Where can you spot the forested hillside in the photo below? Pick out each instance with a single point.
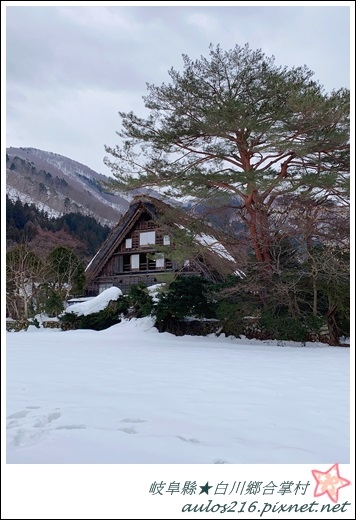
(60, 185)
(26, 224)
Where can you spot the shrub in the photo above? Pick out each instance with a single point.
(49, 300)
(284, 327)
(140, 300)
(96, 321)
(231, 315)
(186, 296)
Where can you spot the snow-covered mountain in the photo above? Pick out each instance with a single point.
(59, 185)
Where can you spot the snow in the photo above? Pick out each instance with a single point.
(92, 260)
(129, 394)
(41, 318)
(15, 195)
(155, 290)
(96, 304)
(214, 245)
(71, 301)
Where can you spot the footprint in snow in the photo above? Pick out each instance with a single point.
(24, 437)
(12, 424)
(71, 427)
(128, 420)
(47, 419)
(18, 415)
(127, 430)
(187, 439)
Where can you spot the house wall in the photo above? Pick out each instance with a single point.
(136, 259)
(124, 282)
(135, 253)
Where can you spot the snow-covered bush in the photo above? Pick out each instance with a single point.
(99, 313)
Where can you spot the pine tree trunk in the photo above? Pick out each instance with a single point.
(259, 234)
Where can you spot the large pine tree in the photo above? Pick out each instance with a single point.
(238, 124)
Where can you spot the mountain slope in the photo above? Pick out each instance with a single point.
(59, 185)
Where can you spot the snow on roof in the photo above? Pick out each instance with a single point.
(214, 245)
(92, 260)
(96, 304)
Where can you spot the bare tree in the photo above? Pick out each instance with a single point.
(24, 272)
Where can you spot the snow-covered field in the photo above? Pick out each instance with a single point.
(131, 395)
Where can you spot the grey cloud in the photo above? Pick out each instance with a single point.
(49, 50)
(60, 46)
(71, 69)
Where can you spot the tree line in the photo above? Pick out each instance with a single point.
(24, 220)
(37, 282)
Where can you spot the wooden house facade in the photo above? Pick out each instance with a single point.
(139, 249)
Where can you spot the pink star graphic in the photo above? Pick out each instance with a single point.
(329, 482)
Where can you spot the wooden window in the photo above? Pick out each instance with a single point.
(159, 261)
(135, 261)
(166, 240)
(128, 243)
(147, 238)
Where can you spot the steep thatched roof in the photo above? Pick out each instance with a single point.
(207, 245)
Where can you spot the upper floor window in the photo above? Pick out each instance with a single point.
(147, 238)
(128, 243)
(166, 240)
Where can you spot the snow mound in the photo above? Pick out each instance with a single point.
(96, 304)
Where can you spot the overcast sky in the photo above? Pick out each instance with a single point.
(70, 69)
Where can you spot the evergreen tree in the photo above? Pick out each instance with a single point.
(49, 300)
(238, 124)
(186, 296)
(140, 300)
(24, 220)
